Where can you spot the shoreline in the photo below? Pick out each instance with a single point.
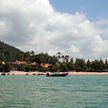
(43, 73)
(88, 73)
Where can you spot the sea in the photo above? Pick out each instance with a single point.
(36, 91)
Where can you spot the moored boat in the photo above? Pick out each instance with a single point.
(56, 74)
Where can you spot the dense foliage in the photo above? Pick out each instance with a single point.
(62, 63)
(39, 58)
(9, 53)
(58, 62)
(5, 67)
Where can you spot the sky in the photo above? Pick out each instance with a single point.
(78, 28)
(94, 9)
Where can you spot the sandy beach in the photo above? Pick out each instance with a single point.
(21, 73)
(88, 73)
(69, 73)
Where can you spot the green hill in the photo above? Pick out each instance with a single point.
(9, 52)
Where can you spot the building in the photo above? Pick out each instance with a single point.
(45, 65)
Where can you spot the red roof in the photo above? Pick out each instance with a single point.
(45, 65)
(19, 62)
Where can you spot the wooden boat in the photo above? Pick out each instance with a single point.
(56, 74)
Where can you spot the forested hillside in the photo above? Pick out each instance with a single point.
(9, 53)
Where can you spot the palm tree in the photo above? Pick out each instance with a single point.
(63, 57)
(66, 58)
(59, 55)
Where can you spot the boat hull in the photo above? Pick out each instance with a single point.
(56, 75)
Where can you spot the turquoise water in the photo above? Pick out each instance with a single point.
(78, 91)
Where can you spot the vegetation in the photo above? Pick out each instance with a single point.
(62, 63)
(5, 67)
(9, 53)
(58, 62)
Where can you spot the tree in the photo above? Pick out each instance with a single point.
(97, 65)
(70, 66)
(71, 60)
(106, 65)
(1, 67)
(28, 68)
(102, 66)
(88, 65)
(7, 67)
(80, 65)
(63, 68)
(59, 56)
(66, 58)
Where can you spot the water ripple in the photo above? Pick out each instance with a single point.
(46, 92)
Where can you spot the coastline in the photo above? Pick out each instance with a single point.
(88, 73)
(21, 73)
(43, 73)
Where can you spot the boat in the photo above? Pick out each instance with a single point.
(56, 74)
